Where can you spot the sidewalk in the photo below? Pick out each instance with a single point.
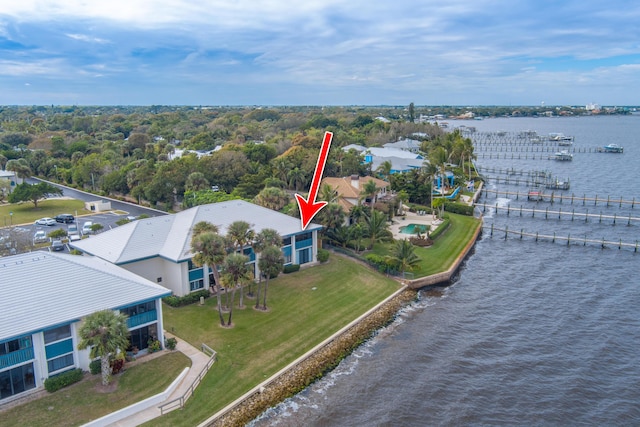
(198, 362)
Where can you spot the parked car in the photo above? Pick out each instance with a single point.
(46, 221)
(86, 228)
(57, 245)
(40, 237)
(64, 218)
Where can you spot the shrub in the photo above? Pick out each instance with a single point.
(323, 255)
(62, 380)
(175, 301)
(171, 343)
(154, 345)
(290, 268)
(95, 367)
(458, 208)
(117, 363)
(441, 229)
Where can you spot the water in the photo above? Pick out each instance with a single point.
(531, 333)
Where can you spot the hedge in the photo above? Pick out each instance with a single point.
(441, 229)
(290, 268)
(63, 380)
(458, 208)
(323, 255)
(175, 301)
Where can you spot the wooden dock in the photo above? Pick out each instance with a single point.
(559, 214)
(554, 237)
(572, 199)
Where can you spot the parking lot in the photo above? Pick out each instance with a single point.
(26, 237)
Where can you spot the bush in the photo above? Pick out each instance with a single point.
(291, 268)
(62, 380)
(458, 208)
(191, 298)
(441, 229)
(95, 367)
(323, 255)
(171, 343)
(154, 345)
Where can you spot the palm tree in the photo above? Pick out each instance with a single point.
(404, 255)
(330, 217)
(236, 271)
(377, 227)
(340, 235)
(297, 177)
(369, 191)
(264, 238)
(271, 263)
(196, 181)
(20, 167)
(328, 193)
(385, 169)
(240, 234)
(273, 198)
(439, 157)
(209, 250)
(107, 334)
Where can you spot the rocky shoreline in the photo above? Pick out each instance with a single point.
(317, 365)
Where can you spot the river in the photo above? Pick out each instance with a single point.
(530, 332)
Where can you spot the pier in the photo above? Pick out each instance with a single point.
(559, 214)
(568, 239)
(572, 199)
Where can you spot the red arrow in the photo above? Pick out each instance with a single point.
(309, 207)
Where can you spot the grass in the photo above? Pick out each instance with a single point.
(442, 254)
(26, 213)
(304, 308)
(81, 402)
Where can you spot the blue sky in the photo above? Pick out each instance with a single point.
(330, 52)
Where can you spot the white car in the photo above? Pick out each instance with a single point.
(46, 221)
(86, 228)
(40, 237)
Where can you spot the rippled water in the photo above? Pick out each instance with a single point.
(531, 333)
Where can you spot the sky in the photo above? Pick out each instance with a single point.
(312, 52)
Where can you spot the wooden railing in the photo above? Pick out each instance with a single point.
(180, 401)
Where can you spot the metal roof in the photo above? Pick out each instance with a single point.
(169, 236)
(41, 290)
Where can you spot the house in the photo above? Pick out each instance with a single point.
(11, 177)
(159, 248)
(45, 296)
(350, 189)
(411, 145)
(401, 160)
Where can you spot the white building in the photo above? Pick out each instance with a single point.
(45, 296)
(159, 248)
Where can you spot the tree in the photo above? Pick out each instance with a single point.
(236, 271)
(385, 169)
(209, 250)
(240, 234)
(264, 238)
(297, 178)
(107, 334)
(412, 113)
(27, 192)
(369, 191)
(271, 264)
(272, 198)
(196, 181)
(404, 255)
(376, 227)
(340, 235)
(20, 167)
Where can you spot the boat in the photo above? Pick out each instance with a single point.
(611, 148)
(561, 138)
(563, 155)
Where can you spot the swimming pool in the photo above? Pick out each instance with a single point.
(414, 228)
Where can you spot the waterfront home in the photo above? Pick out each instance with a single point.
(45, 296)
(350, 190)
(411, 145)
(159, 248)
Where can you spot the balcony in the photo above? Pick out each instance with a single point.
(142, 318)
(16, 357)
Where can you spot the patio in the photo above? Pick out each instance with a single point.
(409, 218)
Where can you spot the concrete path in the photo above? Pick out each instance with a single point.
(198, 361)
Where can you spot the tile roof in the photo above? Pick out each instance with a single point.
(345, 189)
(42, 290)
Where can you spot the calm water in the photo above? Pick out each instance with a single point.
(531, 333)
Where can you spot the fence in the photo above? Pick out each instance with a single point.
(180, 401)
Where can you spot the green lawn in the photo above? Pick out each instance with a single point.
(26, 213)
(441, 256)
(81, 402)
(304, 308)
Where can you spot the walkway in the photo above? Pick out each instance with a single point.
(411, 218)
(198, 362)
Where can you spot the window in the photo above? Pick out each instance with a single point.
(60, 362)
(286, 241)
(303, 236)
(17, 380)
(57, 334)
(196, 284)
(138, 308)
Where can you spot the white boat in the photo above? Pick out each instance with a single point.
(563, 155)
(561, 138)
